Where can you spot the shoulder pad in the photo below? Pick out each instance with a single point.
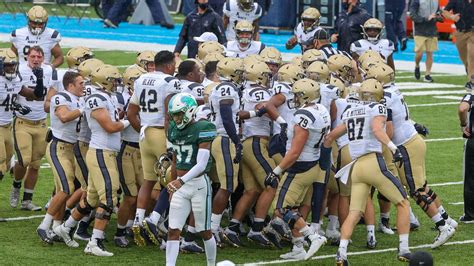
(372, 105)
(305, 113)
(387, 94)
(195, 85)
(467, 98)
(357, 44)
(65, 95)
(14, 33)
(97, 96)
(227, 5)
(54, 73)
(120, 98)
(258, 10)
(170, 78)
(390, 43)
(55, 34)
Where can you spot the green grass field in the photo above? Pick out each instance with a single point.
(20, 245)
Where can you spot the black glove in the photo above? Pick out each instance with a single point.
(271, 180)
(283, 135)
(38, 72)
(261, 112)
(421, 129)
(23, 110)
(169, 153)
(398, 157)
(238, 153)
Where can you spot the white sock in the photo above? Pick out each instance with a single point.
(385, 215)
(305, 231)
(172, 250)
(46, 223)
(211, 251)
(298, 242)
(343, 243)
(316, 227)
(403, 246)
(97, 234)
(370, 232)
(129, 223)
(70, 222)
(215, 221)
(121, 226)
(436, 218)
(155, 217)
(333, 220)
(57, 223)
(413, 218)
(139, 216)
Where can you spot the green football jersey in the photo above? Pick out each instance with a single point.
(186, 142)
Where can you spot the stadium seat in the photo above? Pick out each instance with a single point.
(79, 9)
(54, 5)
(12, 5)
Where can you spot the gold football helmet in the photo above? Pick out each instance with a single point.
(85, 68)
(335, 81)
(131, 74)
(351, 92)
(212, 57)
(368, 63)
(37, 19)
(10, 63)
(231, 69)
(271, 55)
(244, 32)
(318, 71)
(369, 55)
(310, 18)
(311, 56)
(206, 48)
(290, 73)
(107, 77)
(144, 59)
(77, 55)
(297, 61)
(371, 91)
(341, 65)
(305, 91)
(375, 25)
(259, 73)
(381, 72)
(252, 59)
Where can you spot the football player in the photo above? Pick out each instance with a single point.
(272, 57)
(74, 57)
(237, 10)
(37, 34)
(365, 127)
(191, 189)
(243, 45)
(305, 30)
(29, 129)
(311, 56)
(191, 75)
(209, 47)
(147, 113)
(103, 183)
(372, 30)
(226, 148)
(301, 166)
(66, 111)
(146, 60)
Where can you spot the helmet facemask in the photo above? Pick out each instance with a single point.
(244, 38)
(10, 70)
(36, 27)
(246, 5)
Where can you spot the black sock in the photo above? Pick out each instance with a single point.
(120, 232)
(234, 227)
(440, 223)
(445, 215)
(258, 226)
(189, 237)
(16, 184)
(27, 196)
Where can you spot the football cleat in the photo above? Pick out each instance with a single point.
(27, 205)
(452, 222)
(417, 73)
(444, 234)
(14, 197)
(121, 241)
(97, 248)
(151, 232)
(259, 238)
(232, 237)
(295, 254)
(43, 234)
(371, 243)
(63, 232)
(81, 232)
(404, 256)
(218, 236)
(317, 242)
(414, 226)
(385, 228)
(281, 229)
(428, 79)
(137, 235)
(466, 219)
(340, 260)
(333, 234)
(273, 236)
(55, 237)
(191, 247)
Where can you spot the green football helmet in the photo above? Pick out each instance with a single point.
(182, 103)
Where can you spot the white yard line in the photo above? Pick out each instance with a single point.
(446, 184)
(20, 218)
(456, 203)
(443, 139)
(432, 93)
(432, 104)
(359, 253)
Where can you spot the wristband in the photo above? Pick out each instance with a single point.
(181, 181)
(280, 120)
(125, 123)
(392, 147)
(252, 114)
(277, 170)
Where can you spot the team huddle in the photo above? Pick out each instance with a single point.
(169, 145)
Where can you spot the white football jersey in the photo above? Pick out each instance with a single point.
(9, 90)
(255, 126)
(342, 105)
(203, 112)
(193, 88)
(224, 91)
(22, 39)
(383, 46)
(50, 77)
(403, 129)
(85, 131)
(64, 131)
(206, 82)
(234, 13)
(129, 134)
(358, 120)
(151, 90)
(232, 49)
(316, 120)
(303, 36)
(287, 109)
(100, 139)
(329, 93)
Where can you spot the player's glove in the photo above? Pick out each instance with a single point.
(261, 111)
(271, 180)
(38, 72)
(398, 158)
(23, 110)
(238, 153)
(421, 129)
(283, 135)
(169, 153)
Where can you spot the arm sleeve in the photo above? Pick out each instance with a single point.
(183, 37)
(203, 156)
(227, 120)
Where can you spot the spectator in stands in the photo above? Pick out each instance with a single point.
(202, 19)
(425, 14)
(462, 13)
(393, 23)
(348, 24)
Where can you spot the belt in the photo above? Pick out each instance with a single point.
(63, 141)
(131, 144)
(6, 125)
(158, 127)
(32, 122)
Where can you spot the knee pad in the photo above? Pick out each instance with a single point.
(382, 197)
(105, 214)
(432, 194)
(423, 198)
(84, 210)
(290, 217)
